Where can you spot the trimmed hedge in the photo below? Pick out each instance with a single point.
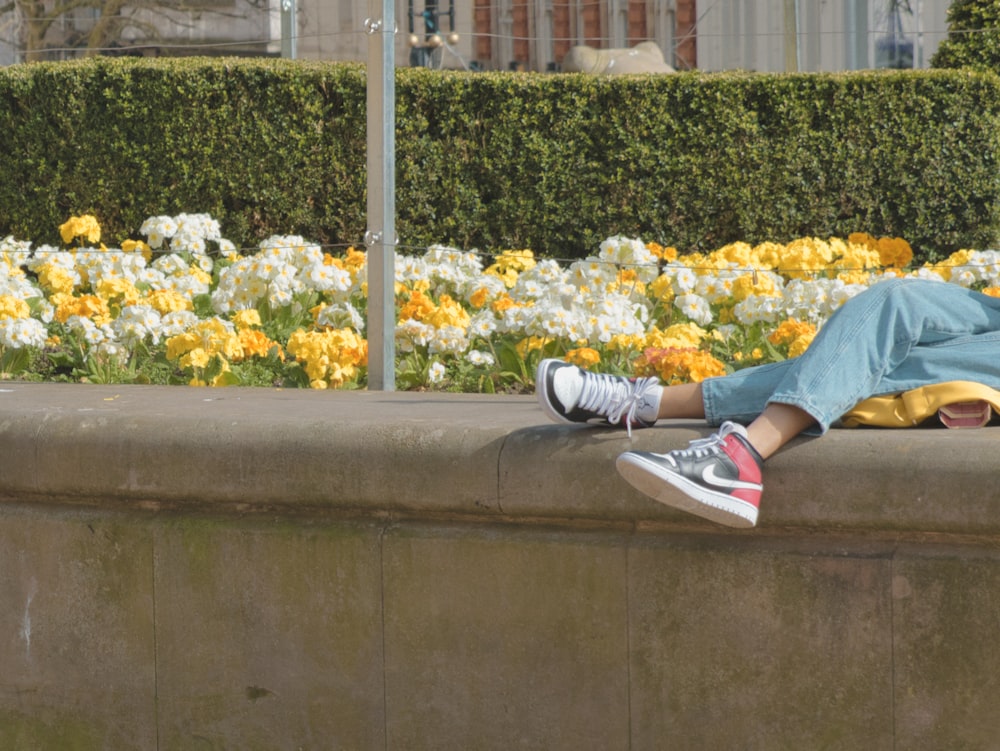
(555, 163)
(973, 36)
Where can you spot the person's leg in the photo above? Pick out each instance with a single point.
(889, 337)
(683, 400)
(896, 335)
(776, 426)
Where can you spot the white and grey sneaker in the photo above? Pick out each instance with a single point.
(718, 478)
(570, 394)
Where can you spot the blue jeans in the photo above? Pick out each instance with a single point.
(897, 335)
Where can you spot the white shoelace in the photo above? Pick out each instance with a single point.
(700, 447)
(615, 397)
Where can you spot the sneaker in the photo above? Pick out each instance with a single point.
(718, 478)
(569, 394)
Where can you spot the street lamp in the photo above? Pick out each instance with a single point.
(424, 51)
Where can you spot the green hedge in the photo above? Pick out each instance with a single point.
(555, 163)
(973, 36)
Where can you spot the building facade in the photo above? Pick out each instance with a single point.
(535, 35)
(711, 35)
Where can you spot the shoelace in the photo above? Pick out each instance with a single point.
(700, 447)
(615, 397)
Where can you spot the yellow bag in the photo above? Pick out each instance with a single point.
(960, 403)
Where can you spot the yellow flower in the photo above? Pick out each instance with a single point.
(55, 278)
(789, 330)
(355, 261)
(803, 257)
(247, 319)
(625, 342)
(13, 307)
(255, 343)
(797, 335)
(509, 263)
(767, 255)
(662, 289)
(85, 306)
(118, 290)
(894, 251)
(958, 258)
(739, 253)
(675, 365)
(329, 358)
(138, 245)
(754, 284)
(680, 335)
(196, 358)
(854, 260)
(800, 344)
(667, 254)
(529, 344)
(419, 307)
(479, 298)
(168, 301)
(583, 357)
(210, 335)
(84, 226)
(506, 302)
(449, 313)
(200, 275)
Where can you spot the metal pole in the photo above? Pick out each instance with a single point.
(791, 35)
(381, 235)
(289, 30)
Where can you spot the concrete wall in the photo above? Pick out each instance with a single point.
(188, 568)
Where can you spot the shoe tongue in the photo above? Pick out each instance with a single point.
(649, 409)
(567, 384)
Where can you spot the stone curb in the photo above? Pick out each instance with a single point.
(496, 456)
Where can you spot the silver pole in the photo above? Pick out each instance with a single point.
(381, 235)
(289, 30)
(791, 35)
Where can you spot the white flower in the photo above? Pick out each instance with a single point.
(411, 334)
(177, 322)
(694, 307)
(340, 316)
(324, 278)
(479, 358)
(482, 324)
(17, 333)
(631, 253)
(435, 373)
(135, 323)
(684, 279)
(963, 276)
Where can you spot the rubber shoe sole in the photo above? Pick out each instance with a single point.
(678, 492)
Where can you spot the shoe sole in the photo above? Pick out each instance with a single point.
(678, 492)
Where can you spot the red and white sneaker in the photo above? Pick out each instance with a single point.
(570, 394)
(718, 478)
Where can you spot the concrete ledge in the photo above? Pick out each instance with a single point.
(369, 452)
(263, 569)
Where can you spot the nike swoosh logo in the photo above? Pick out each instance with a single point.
(709, 476)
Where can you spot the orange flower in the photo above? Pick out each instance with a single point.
(674, 365)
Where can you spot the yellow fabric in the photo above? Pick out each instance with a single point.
(913, 407)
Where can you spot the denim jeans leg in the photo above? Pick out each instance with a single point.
(898, 334)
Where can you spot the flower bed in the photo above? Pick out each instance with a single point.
(184, 306)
